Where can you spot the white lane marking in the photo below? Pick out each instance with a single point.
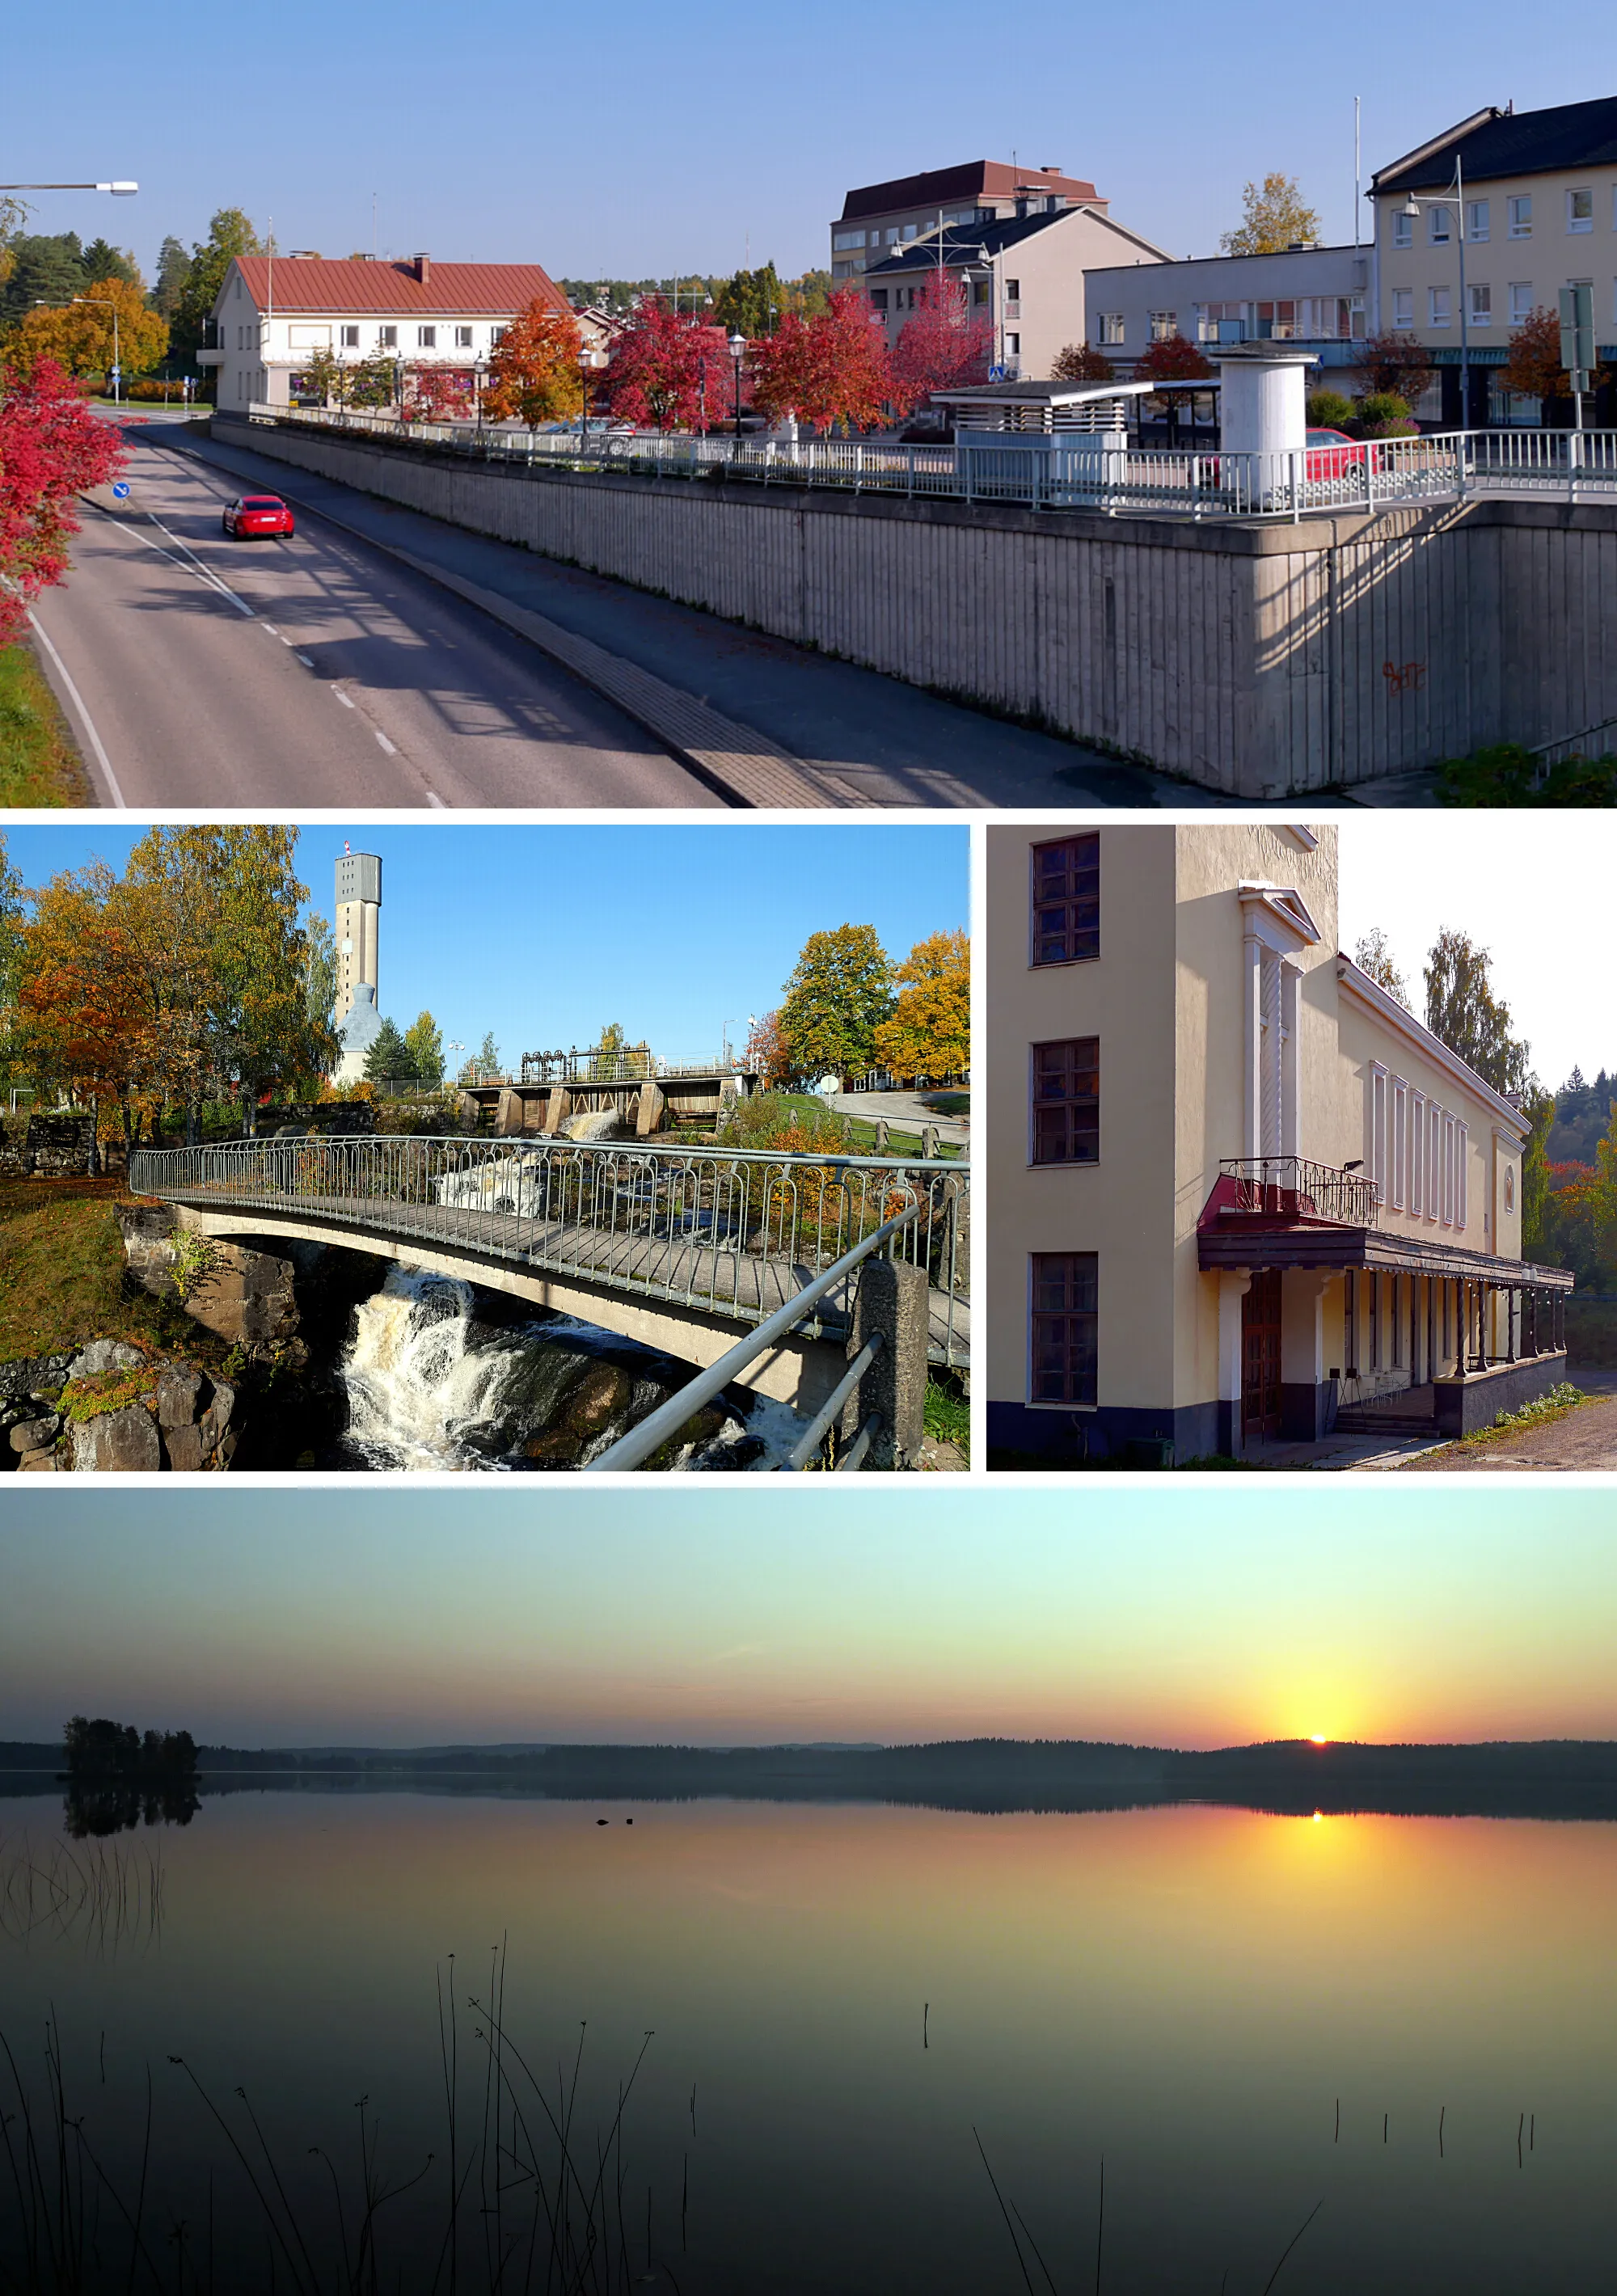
(384, 740)
(307, 659)
(202, 566)
(346, 699)
(86, 719)
(433, 799)
(197, 566)
(284, 639)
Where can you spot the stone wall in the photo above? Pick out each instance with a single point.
(49, 1147)
(1252, 660)
(245, 1297)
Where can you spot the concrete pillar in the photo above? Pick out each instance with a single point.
(648, 1112)
(1291, 1059)
(1304, 1392)
(1263, 400)
(470, 1113)
(891, 1299)
(1253, 1013)
(881, 1134)
(929, 1139)
(1233, 1285)
(558, 1107)
(508, 1115)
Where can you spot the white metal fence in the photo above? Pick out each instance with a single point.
(1056, 471)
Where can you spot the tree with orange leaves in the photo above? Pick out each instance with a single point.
(79, 335)
(929, 1032)
(83, 1023)
(767, 1052)
(833, 370)
(533, 374)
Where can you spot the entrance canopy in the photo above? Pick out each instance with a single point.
(1247, 1240)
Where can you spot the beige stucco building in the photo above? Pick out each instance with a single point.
(1237, 1194)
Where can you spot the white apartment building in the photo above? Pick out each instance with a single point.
(273, 311)
(1317, 298)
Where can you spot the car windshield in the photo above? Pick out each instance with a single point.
(263, 501)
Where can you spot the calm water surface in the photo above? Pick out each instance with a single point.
(1188, 1991)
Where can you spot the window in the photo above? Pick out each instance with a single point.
(1440, 307)
(1435, 1158)
(1064, 1286)
(1066, 1102)
(1403, 229)
(388, 337)
(1164, 325)
(1480, 300)
(910, 230)
(1377, 1158)
(1066, 900)
(497, 334)
(1013, 347)
(1447, 1205)
(1112, 327)
(1476, 221)
(350, 339)
(462, 339)
(1581, 211)
(1521, 301)
(1462, 1140)
(1418, 1151)
(1403, 306)
(1399, 1136)
(1439, 226)
(1520, 214)
(878, 299)
(426, 339)
(842, 239)
(1013, 289)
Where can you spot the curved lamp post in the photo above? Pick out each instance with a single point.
(737, 348)
(122, 190)
(1412, 208)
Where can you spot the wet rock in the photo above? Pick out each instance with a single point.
(118, 1442)
(604, 1391)
(105, 1355)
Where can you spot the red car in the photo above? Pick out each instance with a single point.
(1332, 455)
(257, 514)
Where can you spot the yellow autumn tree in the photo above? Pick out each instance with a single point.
(80, 336)
(929, 1032)
(534, 374)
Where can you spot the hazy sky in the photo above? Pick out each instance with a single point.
(656, 139)
(712, 1614)
(545, 934)
(1534, 889)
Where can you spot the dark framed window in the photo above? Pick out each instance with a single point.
(1065, 1285)
(1067, 900)
(1067, 1101)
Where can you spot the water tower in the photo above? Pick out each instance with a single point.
(358, 891)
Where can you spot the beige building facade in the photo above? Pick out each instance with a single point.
(1238, 1196)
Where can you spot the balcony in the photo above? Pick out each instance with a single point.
(1285, 1191)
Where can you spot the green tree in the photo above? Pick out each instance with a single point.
(320, 971)
(389, 1056)
(838, 994)
(751, 303)
(1537, 1210)
(1274, 217)
(43, 270)
(172, 265)
(488, 1064)
(103, 260)
(1463, 1013)
(230, 233)
(1374, 955)
(424, 1041)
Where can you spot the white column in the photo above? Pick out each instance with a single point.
(1233, 1285)
(1252, 1145)
(1291, 1064)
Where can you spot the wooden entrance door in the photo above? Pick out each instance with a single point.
(1260, 1354)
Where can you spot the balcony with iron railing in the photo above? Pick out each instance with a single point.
(1294, 1190)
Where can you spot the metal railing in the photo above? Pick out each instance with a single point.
(1571, 745)
(631, 1065)
(736, 1231)
(1292, 1188)
(659, 1426)
(1054, 471)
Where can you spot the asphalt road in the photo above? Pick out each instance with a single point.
(197, 671)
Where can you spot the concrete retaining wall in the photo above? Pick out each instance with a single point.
(1252, 660)
(1465, 1406)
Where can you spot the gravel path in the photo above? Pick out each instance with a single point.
(1585, 1442)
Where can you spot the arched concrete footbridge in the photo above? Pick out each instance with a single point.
(681, 1249)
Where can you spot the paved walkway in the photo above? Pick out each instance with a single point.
(908, 1111)
(860, 738)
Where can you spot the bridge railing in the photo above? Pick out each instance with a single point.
(733, 1230)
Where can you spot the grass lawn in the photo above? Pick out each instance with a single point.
(862, 1137)
(63, 1277)
(38, 762)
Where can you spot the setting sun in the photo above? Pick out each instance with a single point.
(1317, 1741)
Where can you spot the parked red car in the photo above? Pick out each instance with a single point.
(1332, 455)
(257, 514)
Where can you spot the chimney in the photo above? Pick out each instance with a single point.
(423, 269)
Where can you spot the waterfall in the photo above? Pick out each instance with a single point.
(432, 1386)
(413, 1377)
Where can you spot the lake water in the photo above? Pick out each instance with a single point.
(1247, 2015)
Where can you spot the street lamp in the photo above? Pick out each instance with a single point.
(1412, 209)
(480, 368)
(121, 191)
(103, 303)
(737, 348)
(584, 374)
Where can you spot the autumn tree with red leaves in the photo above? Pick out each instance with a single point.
(533, 375)
(769, 1053)
(436, 393)
(52, 448)
(942, 346)
(1533, 369)
(833, 370)
(671, 373)
(1082, 363)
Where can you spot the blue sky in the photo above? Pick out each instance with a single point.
(543, 934)
(655, 139)
(493, 1610)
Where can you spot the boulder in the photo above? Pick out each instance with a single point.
(182, 1449)
(39, 1463)
(214, 1429)
(29, 1377)
(105, 1355)
(178, 1389)
(118, 1443)
(35, 1434)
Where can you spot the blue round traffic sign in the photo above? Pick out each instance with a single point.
(121, 488)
